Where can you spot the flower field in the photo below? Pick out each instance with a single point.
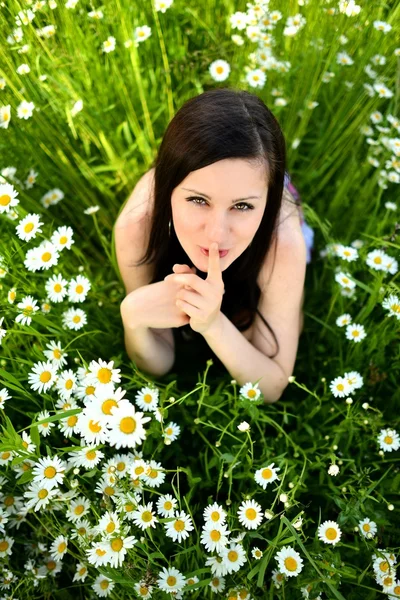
(116, 484)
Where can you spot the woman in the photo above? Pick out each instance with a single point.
(219, 177)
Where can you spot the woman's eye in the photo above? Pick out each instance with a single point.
(248, 206)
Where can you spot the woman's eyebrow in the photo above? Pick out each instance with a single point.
(233, 201)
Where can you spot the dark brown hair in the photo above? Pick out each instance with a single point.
(216, 125)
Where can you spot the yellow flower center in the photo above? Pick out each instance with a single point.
(233, 555)
(28, 227)
(251, 514)
(43, 493)
(108, 405)
(46, 256)
(388, 440)
(266, 473)
(117, 544)
(79, 289)
(147, 516)
(50, 472)
(71, 421)
(171, 580)
(215, 515)
(104, 375)
(95, 427)
(62, 547)
(45, 376)
(5, 200)
(331, 533)
(215, 535)
(78, 510)
(290, 563)
(91, 454)
(3, 545)
(127, 425)
(179, 525)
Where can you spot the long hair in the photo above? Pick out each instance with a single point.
(216, 125)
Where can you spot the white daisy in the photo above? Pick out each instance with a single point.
(29, 307)
(62, 238)
(217, 584)
(138, 468)
(355, 332)
(126, 426)
(49, 471)
(290, 562)
(44, 428)
(78, 289)
(38, 496)
(214, 536)
(155, 474)
(171, 431)
(354, 379)
(214, 513)
(81, 572)
(52, 197)
(388, 440)
(143, 589)
(266, 475)
(102, 586)
(343, 320)
(233, 557)
(345, 280)
(91, 428)
(5, 116)
(390, 265)
(42, 377)
(147, 399)
(329, 532)
(219, 70)
(74, 318)
(144, 517)
(278, 578)
(179, 528)
(256, 553)
(105, 399)
(91, 210)
(375, 259)
(8, 197)
(250, 514)
(59, 547)
(6, 543)
(56, 288)
(217, 565)
(140, 34)
(250, 392)
(88, 457)
(78, 508)
(102, 373)
(31, 179)
(171, 580)
(4, 395)
(166, 505)
(56, 354)
(109, 44)
(368, 528)
(47, 255)
(117, 548)
(192, 581)
(98, 554)
(66, 384)
(28, 227)
(340, 387)
(392, 303)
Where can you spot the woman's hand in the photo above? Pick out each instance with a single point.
(202, 301)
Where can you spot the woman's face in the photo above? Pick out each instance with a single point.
(223, 202)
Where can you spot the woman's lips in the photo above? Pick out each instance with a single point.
(221, 254)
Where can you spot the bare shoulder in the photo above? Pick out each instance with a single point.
(140, 202)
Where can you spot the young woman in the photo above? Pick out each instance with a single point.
(219, 178)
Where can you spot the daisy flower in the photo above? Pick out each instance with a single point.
(56, 288)
(5, 116)
(233, 557)
(354, 379)
(109, 44)
(368, 528)
(147, 399)
(171, 431)
(266, 475)
(344, 280)
(217, 584)
(59, 547)
(28, 227)
(66, 384)
(355, 332)
(31, 178)
(343, 320)
(155, 474)
(329, 532)
(101, 373)
(78, 289)
(214, 513)
(4, 395)
(171, 580)
(52, 197)
(192, 581)
(28, 306)
(256, 553)
(91, 210)
(44, 428)
(250, 514)
(49, 471)
(375, 259)
(126, 426)
(144, 517)
(138, 468)
(340, 387)
(117, 548)
(42, 377)
(166, 505)
(347, 253)
(214, 536)
(143, 589)
(81, 572)
(250, 392)
(38, 496)
(78, 508)
(8, 197)
(105, 400)
(178, 529)
(392, 303)
(46, 255)
(103, 586)
(290, 562)
(88, 457)
(388, 440)
(62, 238)
(92, 429)
(6, 544)
(219, 70)
(74, 318)
(56, 354)
(98, 554)
(390, 265)
(140, 34)
(278, 577)
(217, 566)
